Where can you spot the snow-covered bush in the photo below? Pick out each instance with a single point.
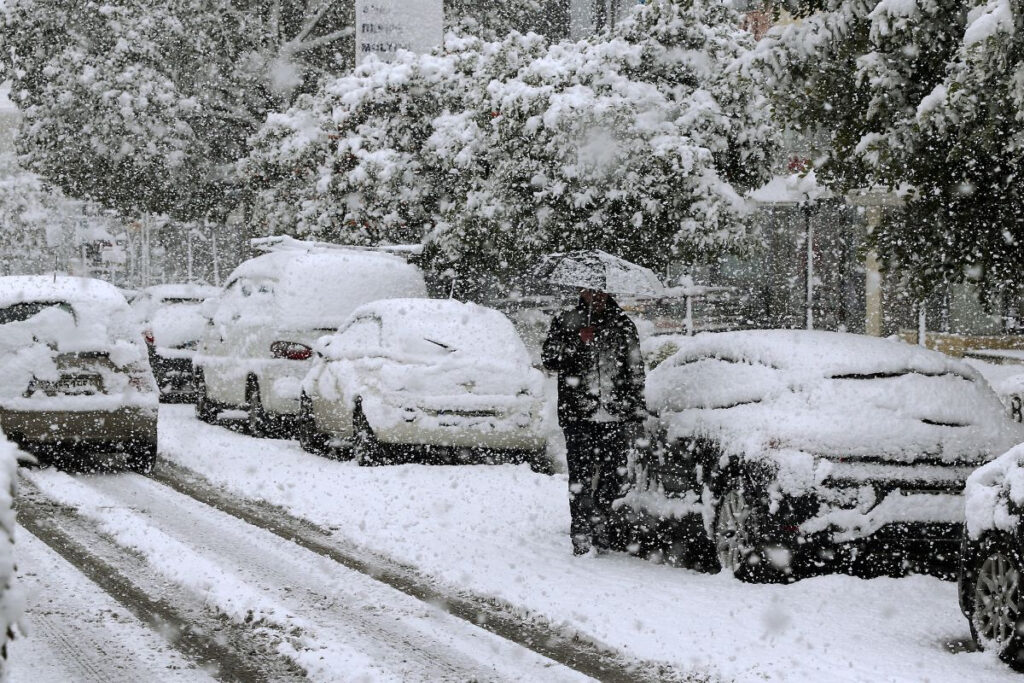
(924, 95)
(638, 141)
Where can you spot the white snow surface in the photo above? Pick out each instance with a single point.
(502, 531)
(986, 21)
(76, 632)
(827, 393)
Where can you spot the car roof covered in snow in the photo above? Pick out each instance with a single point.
(320, 288)
(818, 352)
(828, 393)
(181, 291)
(465, 327)
(16, 289)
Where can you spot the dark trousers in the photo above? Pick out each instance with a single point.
(596, 454)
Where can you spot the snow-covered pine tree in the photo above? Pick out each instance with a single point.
(638, 141)
(143, 105)
(349, 163)
(964, 221)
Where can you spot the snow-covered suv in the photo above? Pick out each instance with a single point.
(792, 447)
(425, 379)
(259, 341)
(74, 373)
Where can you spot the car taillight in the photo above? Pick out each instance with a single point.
(148, 336)
(291, 350)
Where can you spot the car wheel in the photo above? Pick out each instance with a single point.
(311, 439)
(205, 408)
(540, 462)
(259, 422)
(998, 614)
(142, 457)
(736, 536)
(366, 449)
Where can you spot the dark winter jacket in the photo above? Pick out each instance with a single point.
(602, 381)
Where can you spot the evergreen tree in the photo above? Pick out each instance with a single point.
(143, 105)
(963, 220)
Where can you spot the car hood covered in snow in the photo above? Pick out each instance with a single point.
(830, 394)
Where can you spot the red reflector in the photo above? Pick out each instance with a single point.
(148, 336)
(291, 350)
(791, 529)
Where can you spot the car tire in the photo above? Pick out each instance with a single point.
(367, 450)
(311, 439)
(997, 614)
(206, 410)
(141, 457)
(736, 535)
(259, 423)
(540, 462)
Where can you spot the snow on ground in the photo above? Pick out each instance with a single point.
(76, 632)
(336, 623)
(503, 531)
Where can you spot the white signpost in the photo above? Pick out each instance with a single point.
(383, 27)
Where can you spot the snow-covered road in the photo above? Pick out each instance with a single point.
(335, 623)
(278, 544)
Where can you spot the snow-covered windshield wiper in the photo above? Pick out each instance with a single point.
(444, 346)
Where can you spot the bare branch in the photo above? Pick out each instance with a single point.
(308, 27)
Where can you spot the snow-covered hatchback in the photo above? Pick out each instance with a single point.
(796, 448)
(74, 369)
(433, 380)
(992, 557)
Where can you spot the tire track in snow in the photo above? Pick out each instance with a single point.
(504, 620)
(227, 652)
(76, 632)
(395, 636)
(328, 619)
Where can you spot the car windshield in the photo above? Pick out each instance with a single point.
(27, 309)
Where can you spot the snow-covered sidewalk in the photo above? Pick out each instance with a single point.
(502, 531)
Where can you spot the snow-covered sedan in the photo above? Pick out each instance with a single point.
(992, 557)
(74, 372)
(173, 322)
(795, 448)
(259, 341)
(430, 380)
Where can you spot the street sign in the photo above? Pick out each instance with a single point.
(383, 27)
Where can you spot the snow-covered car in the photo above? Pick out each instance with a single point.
(433, 380)
(74, 370)
(259, 340)
(992, 557)
(173, 322)
(796, 448)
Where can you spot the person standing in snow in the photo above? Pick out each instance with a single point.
(595, 350)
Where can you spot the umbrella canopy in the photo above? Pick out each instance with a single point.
(600, 271)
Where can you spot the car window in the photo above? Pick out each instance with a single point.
(25, 310)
